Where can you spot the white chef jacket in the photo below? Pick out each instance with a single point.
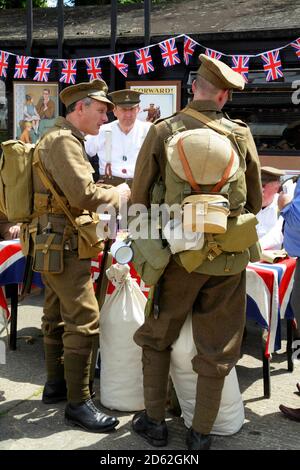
(123, 148)
(269, 227)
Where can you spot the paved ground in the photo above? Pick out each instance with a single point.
(26, 423)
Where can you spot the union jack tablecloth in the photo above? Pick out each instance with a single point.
(268, 291)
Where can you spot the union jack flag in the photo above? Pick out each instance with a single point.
(188, 49)
(3, 63)
(240, 64)
(169, 53)
(42, 70)
(21, 67)
(213, 54)
(117, 61)
(272, 65)
(296, 45)
(93, 68)
(268, 289)
(68, 71)
(144, 61)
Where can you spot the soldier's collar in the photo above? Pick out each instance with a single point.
(203, 105)
(63, 123)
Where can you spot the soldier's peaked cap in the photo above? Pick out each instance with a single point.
(96, 89)
(220, 74)
(269, 174)
(125, 98)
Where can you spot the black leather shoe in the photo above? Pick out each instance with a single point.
(298, 386)
(54, 391)
(197, 441)
(88, 417)
(291, 413)
(155, 433)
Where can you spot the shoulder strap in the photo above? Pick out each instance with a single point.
(207, 121)
(47, 183)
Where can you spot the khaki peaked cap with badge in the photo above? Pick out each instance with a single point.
(125, 98)
(270, 174)
(96, 89)
(219, 74)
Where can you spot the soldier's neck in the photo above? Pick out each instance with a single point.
(125, 129)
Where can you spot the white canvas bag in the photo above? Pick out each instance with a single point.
(121, 378)
(231, 413)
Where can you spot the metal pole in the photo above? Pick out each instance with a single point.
(60, 41)
(147, 21)
(113, 40)
(29, 21)
(60, 28)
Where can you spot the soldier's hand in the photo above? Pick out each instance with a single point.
(124, 191)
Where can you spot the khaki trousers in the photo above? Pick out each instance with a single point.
(218, 304)
(71, 318)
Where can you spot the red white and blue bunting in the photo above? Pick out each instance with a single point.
(270, 61)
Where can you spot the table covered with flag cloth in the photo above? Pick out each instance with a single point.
(268, 291)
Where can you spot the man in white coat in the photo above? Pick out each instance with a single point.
(118, 143)
(269, 228)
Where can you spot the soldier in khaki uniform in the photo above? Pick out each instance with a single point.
(216, 301)
(71, 314)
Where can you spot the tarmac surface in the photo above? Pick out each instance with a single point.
(26, 423)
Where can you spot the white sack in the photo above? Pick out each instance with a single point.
(121, 378)
(231, 413)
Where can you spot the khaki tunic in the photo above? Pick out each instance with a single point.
(70, 306)
(217, 302)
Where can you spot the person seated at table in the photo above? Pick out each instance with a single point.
(269, 228)
(8, 230)
(290, 211)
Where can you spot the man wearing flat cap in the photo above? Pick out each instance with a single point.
(71, 314)
(212, 287)
(118, 143)
(269, 227)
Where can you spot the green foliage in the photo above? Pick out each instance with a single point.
(5, 4)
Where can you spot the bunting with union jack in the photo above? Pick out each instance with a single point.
(169, 53)
(93, 68)
(118, 61)
(21, 67)
(144, 61)
(296, 45)
(240, 64)
(213, 54)
(42, 70)
(3, 63)
(188, 49)
(68, 72)
(272, 65)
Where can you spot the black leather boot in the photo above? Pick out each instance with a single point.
(155, 433)
(197, 441)
(88, 417)
(54, 391)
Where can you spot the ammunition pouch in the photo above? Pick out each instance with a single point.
(48, 253)
(150, 256)
(240, 235)
(89, 245)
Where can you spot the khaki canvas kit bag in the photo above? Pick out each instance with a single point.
(205, 175)
(16, 190)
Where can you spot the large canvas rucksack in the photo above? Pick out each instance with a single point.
(16, 189)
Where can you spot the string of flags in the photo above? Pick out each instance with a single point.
(170, 57)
